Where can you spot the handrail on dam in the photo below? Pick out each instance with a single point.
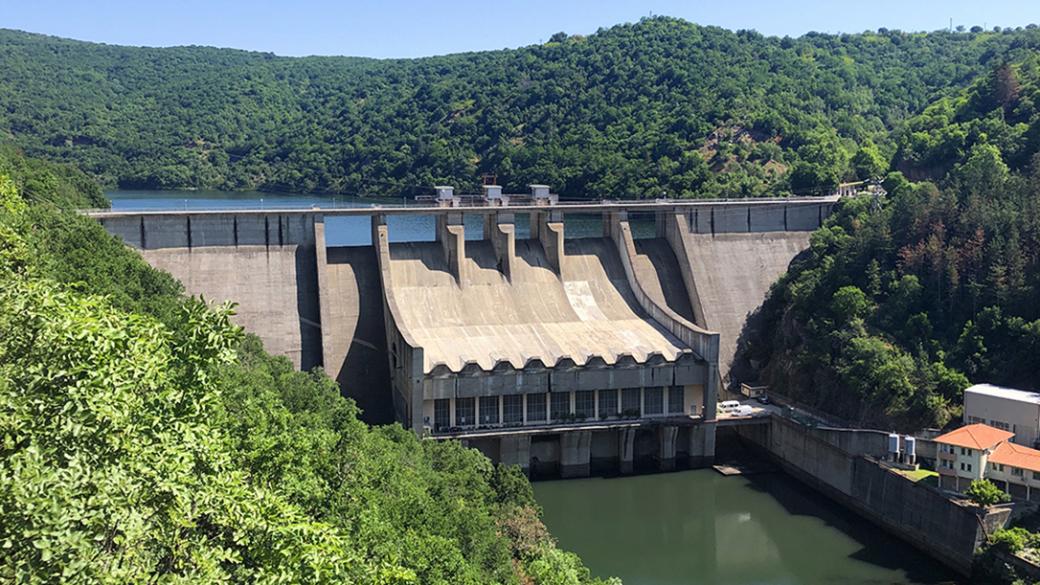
(378, 209)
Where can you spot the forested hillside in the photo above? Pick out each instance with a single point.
(143, 439)
(658, 107)
(902, 300)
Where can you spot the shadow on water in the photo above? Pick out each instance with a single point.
(703, 528)
(875, 546)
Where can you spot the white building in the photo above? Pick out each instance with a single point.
(978, 451)
(1016, 469)
(1015, 411)
(963, 454)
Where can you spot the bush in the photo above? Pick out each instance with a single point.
(985, 493)
(1013, 539)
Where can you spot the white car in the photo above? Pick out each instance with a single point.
(729, 406)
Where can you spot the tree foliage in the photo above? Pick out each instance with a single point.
(1014, 539)
(144, 439)
(657, 107)
(924, 289)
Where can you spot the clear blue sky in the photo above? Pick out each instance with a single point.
(399, 28)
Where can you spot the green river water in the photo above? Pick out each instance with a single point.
(698, 527)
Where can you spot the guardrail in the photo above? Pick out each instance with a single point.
(348, 208)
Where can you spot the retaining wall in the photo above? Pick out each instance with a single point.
(921, 515)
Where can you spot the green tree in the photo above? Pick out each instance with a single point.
(868, 162)
(150, 442)
(985, 493)
(850, 303)
(984, 172)
(614, 114)
(1013, 540)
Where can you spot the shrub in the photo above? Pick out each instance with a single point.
(985, 493)
(1013, 539)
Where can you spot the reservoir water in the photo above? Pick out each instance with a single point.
(689, 527)
(348, 231)
(699, 527)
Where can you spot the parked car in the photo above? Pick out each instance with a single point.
(763, 399)
(728, 406)
(744, 410)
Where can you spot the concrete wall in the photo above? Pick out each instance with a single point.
(732, 275)
(704, 343)
(265, 263)
(405, 356)
(918, 514)
(287, 286)
(353, 330)
(276, 290)
(729, 256)
(855, 441)
(327, 307)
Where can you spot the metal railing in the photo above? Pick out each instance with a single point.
(520, 202)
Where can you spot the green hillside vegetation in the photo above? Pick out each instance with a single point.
(657, 107)
(900, 301)
(145, 439)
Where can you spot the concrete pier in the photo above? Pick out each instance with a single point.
(516, 450)
(574, 453)
(626, 450)
(701, 448)
(547, 228)
(452, 237)
(666, 451)
(500, 229)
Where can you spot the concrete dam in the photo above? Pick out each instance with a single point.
(560, 354)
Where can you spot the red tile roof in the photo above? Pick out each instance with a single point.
(976, 436)
(1016, 456)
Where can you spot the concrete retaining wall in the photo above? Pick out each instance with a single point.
(287, 286)
(327, 307)
(920, 515)
(1022, 566)
(264, 262)
(353, 331)
(405, 355)
(704, 343)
